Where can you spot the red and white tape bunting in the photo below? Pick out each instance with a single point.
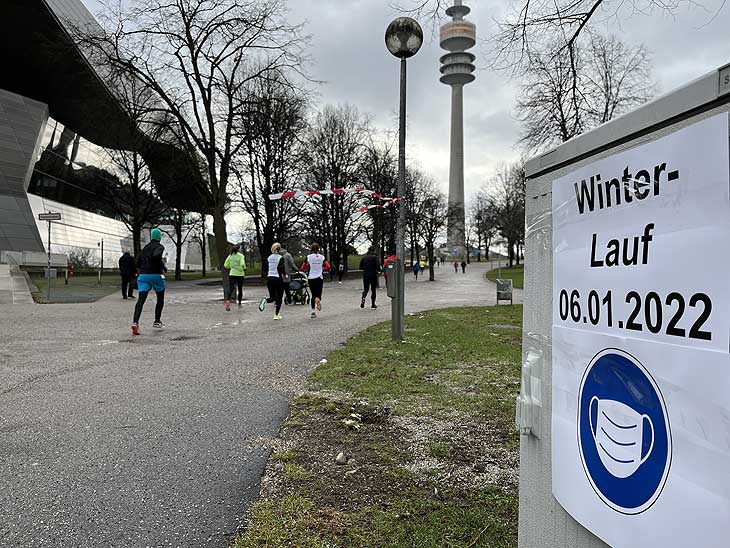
(335, 191)
(390, 202)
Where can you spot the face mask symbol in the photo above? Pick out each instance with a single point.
(619, 434)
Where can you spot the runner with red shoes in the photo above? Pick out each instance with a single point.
(151, 276)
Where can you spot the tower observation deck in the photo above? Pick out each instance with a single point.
(457, 69)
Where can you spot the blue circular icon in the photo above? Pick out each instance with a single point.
(623, 432)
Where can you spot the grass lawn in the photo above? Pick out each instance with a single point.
(516, 274)
(86, 289)
(426, 428)
(80, 289)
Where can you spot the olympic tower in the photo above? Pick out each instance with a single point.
(457, 68)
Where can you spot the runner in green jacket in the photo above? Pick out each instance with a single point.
(236, 263)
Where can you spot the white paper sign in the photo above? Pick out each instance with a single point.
(641, 342)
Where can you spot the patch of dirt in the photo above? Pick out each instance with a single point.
(476, 457)
(386, 454)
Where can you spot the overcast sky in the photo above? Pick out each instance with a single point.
(349, 55)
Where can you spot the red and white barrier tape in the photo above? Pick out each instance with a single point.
(335, 191)
(390, 202)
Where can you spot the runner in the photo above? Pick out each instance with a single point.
(151, 276)
(289, 269)
(236, 263)
(456, 267)
(317, 265)
(370, 267)
(416, 269)
(463, 267)
(274, 281)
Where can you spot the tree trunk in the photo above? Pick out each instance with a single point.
(137, 240)
(178, 247)
(203, 243)
(431, 273)
(221, 239)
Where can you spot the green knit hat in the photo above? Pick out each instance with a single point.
(156, 234)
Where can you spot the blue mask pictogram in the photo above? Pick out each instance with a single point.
(623, 432)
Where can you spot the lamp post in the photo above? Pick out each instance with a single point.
(403, 39)
(101, 269)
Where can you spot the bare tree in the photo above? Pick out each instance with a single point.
(611, 78)
(417, 190)
(196, 57)
(484, 221)
(273, 133)
(335, 149)
(433, 222)
(618, 78)
(179, 224)
(506, 192)
(131, 197)
(200, 236)
(380, 173)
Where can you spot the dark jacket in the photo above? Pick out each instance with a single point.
(126, 266)
(369, 265)
(150, 259)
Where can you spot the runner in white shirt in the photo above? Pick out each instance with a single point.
(274, 280)
(317, 265)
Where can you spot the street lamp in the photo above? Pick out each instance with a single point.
(403, 39)
(101, 269)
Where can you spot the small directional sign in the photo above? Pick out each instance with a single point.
(50, 216)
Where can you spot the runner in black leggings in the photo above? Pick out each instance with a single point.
(317, 265)
(370, 267)
(275, 281)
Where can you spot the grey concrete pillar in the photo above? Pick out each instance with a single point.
(22, 125)
(456, 236)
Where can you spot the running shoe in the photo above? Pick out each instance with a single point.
(313, 315)
(374, 305)
(158, 324)
(240, 303)
(135, 329)
(262, 304)
(362, 303)
(277, 317)
(318, 303)
(228, 306)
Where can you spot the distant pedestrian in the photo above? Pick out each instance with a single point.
(236, 263)
(456, 267)
(463, 267)
(416, 269)
(289, 268)
(317, 266)
(128, 272)
(332, 272)
(370, 267)
(274, 281)
(151, 276)
(340, 270)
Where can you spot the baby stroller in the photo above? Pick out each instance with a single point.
(299, 288)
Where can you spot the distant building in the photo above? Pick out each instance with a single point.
(57, 115)
(457, 69)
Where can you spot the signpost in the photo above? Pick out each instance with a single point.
(49, 217)
(641, 341)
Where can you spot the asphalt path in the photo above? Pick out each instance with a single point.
(160, 440)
